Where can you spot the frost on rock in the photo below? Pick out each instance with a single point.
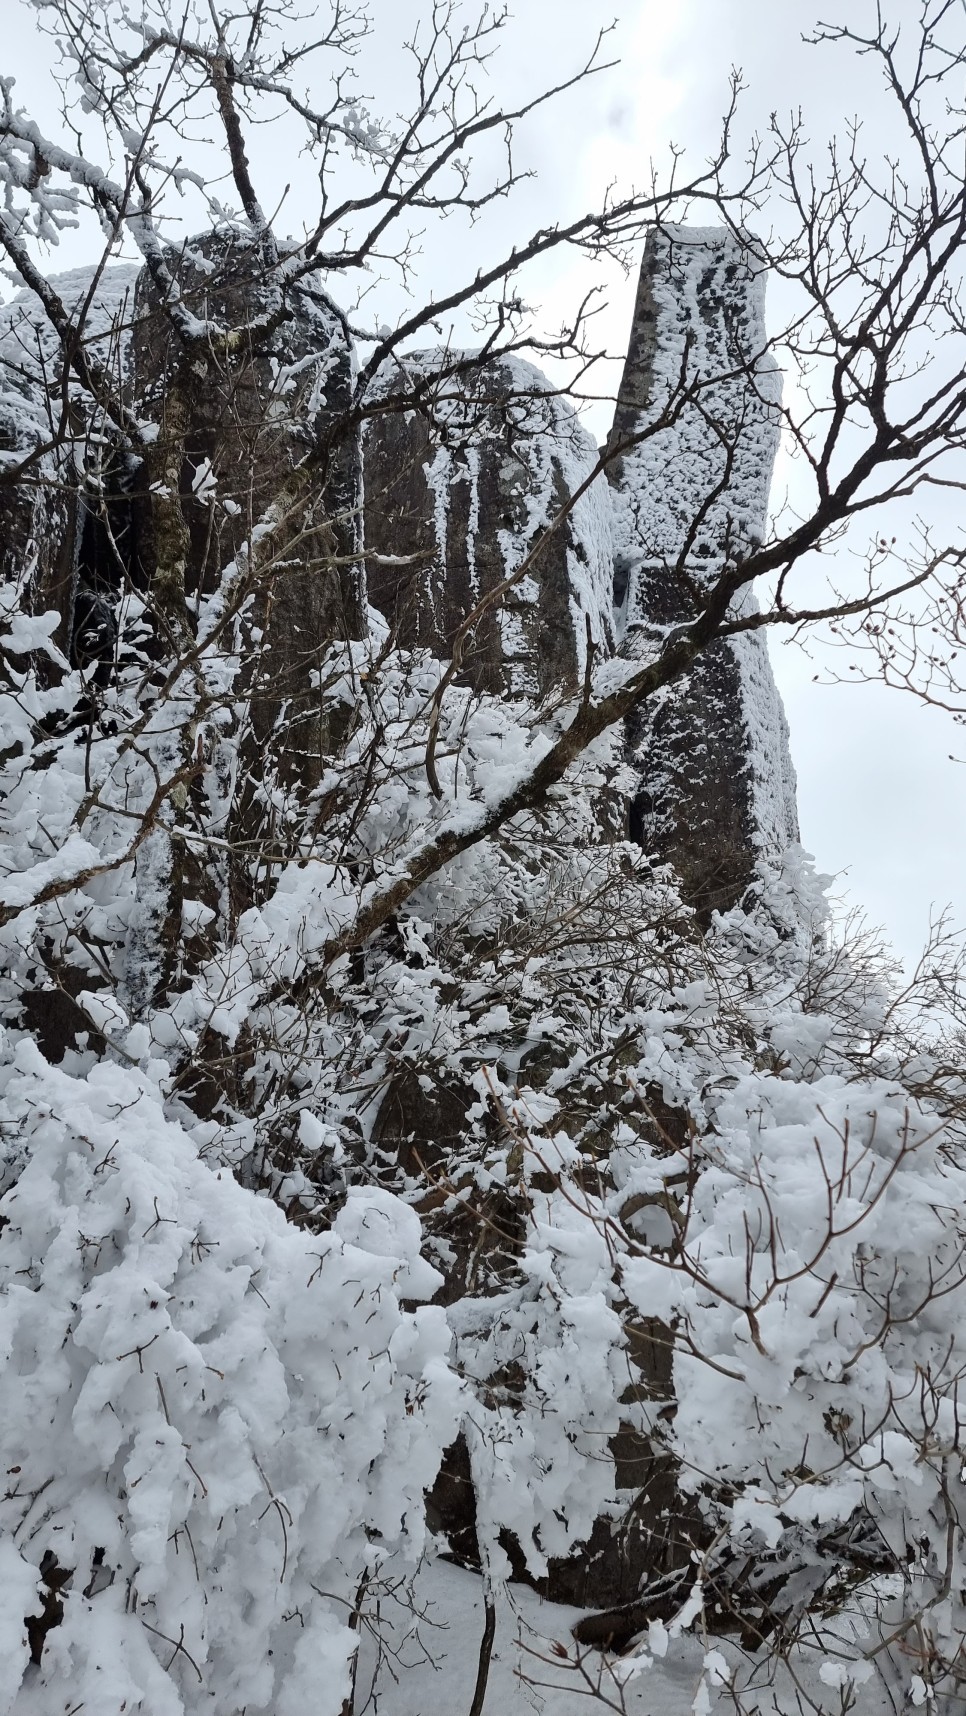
(31, 353)
(717, 787)
(660, 1173)
(226, 471)
(460, 491)
(213, 1426)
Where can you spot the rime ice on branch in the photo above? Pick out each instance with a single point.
(690, 499)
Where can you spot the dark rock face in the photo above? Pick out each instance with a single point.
(231, 429)
(460, 492)
(696, 806)
(249, 486)
(46, 519)
(717, 785)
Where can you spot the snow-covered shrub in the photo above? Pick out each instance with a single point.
(212, 1425)
(323, 927)
(820, 1265)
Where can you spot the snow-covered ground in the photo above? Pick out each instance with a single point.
(420, 1657)
(437, 1632)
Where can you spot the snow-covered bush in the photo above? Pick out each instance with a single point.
(359, 991)
(815, 1281)
(213, 1426)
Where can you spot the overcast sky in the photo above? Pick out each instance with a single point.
(882, 804)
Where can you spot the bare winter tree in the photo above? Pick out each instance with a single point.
(346, 694)
(874, 268)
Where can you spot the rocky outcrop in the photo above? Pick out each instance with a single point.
(232, 426)
(474, 553)
(143, 526)
(49, 548)
(466, 472)
(694, 440)
(466, 475)
(89, 521)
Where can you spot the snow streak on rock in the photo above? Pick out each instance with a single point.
(459, 496)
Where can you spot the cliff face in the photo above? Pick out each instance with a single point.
(460, 492)
(465, 471)
(231, 432)
(456, 483)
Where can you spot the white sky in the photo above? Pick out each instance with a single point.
(881, 803)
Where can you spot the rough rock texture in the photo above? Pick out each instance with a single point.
(465, 474)
(458, 494)
(85, 522)
(717, 785)
(231, 430)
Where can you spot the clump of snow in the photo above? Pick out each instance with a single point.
(213, 1423)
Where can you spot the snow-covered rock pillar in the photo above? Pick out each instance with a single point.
(717, 787)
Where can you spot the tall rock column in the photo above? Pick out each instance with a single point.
(465, 477)
(230, 430)
(717, 787)
(235, 418)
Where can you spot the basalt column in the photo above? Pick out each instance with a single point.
(249, 492)
(233, 426)
(695, 436)
(465, 476)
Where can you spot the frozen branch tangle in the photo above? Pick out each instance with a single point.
(397, 823)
